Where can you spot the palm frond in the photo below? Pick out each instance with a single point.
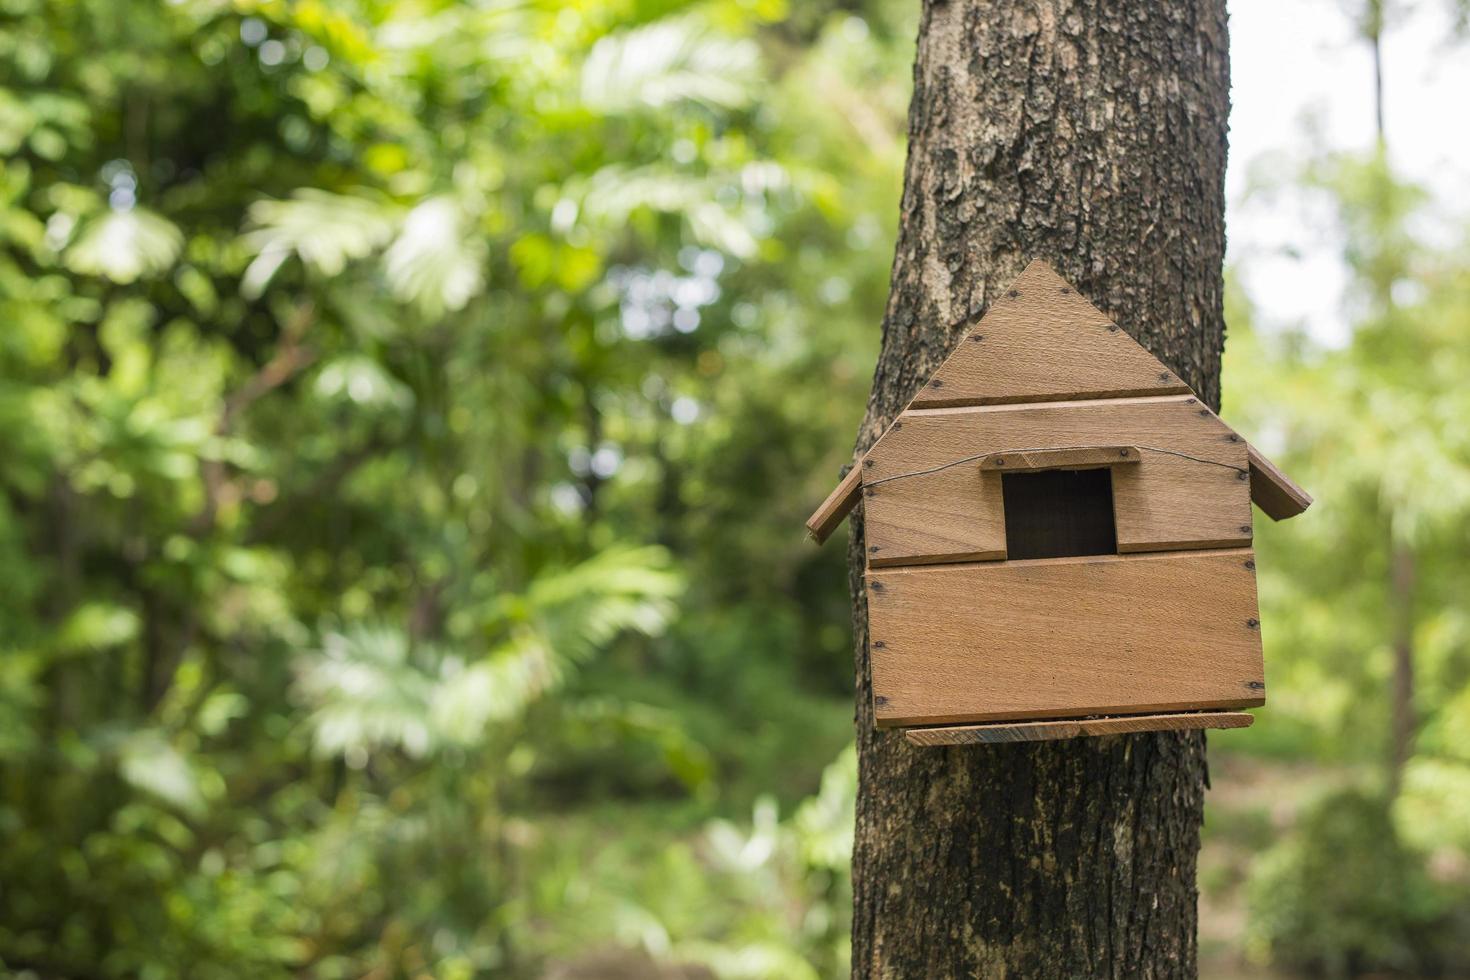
(125, 246)
(494, 689)
(369, 687)
(581, 609)
(433, 262)
(614, 194)
(326, 231)
(672, 60)
(367, 693)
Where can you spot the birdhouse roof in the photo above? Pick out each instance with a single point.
(1042, 341)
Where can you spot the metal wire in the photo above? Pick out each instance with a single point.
(1041, 449)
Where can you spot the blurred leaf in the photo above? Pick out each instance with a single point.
(125, 245)
(825, 823)
(669, 61)
(150, 763)
(368, 692)
(433, 262)
(610, 197)
(371, 690)
(361, 381)
(97, 626)
(326, 231)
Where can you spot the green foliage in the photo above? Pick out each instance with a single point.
(1374, 573)
(1344, 895)
(761, 897)
(373, 688)
(1374, 430)
(412, 408)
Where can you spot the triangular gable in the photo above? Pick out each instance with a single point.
(1042, 341)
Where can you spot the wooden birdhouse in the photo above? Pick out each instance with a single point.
(1058, 537)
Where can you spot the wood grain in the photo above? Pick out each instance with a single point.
(1072, 458)
(839, 502)
(1064, 637)
(1043, 731)
(1273, 491)
(926, 500)
(1042, 341)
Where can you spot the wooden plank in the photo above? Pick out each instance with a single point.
(1273, 491)
(926, 499)
(839, 502)
(1042, 731)
(1065, 637)
(1042, 341)
(1069, 458)
(955, 514)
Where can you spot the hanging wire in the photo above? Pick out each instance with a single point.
(1043, 449)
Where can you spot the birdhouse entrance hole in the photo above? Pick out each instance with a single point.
(1059, 513)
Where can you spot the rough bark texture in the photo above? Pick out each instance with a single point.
(1091, 135)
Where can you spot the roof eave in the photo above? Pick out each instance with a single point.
(1273, 491)
(837, 506)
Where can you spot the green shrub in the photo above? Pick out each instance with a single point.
(1344, 895)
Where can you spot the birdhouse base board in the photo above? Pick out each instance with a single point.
(1042, 731)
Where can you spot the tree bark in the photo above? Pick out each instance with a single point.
(1091, 135)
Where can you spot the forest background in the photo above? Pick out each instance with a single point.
(411, 410)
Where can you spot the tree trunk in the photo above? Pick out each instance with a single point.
(1093, 136)
(1400, 556)
(1401, 605)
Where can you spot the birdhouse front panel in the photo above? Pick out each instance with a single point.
(1057, 536)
